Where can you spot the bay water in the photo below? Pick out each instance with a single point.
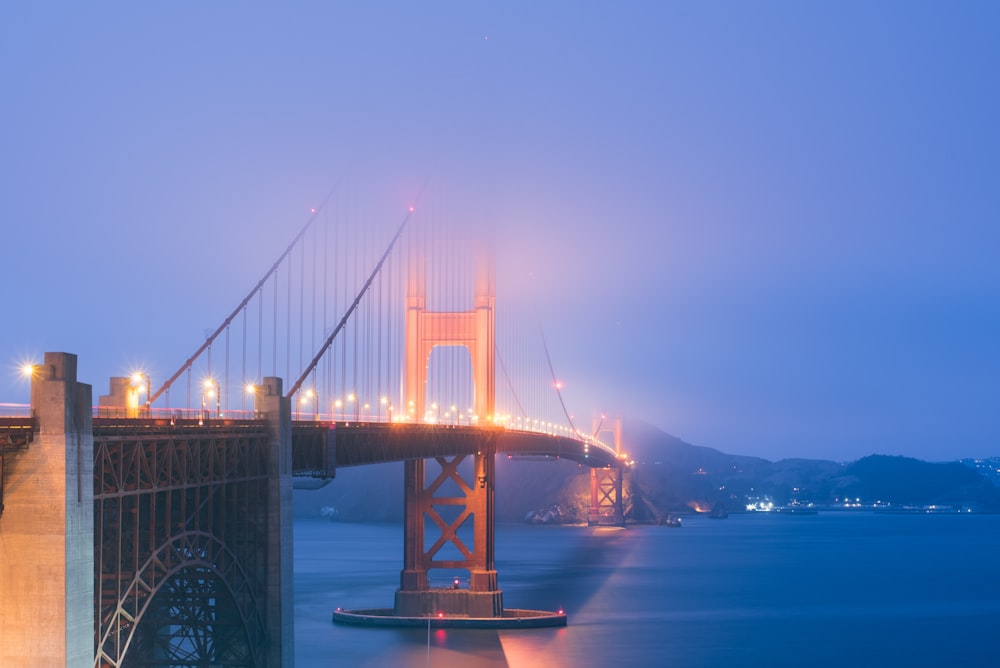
(832, 589)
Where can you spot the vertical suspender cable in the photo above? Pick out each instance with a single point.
(302, 299)
(243, 371)
(288, 323)
(225, 399)
(354, 305)
(274, 334)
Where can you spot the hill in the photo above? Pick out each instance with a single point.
(671, 476)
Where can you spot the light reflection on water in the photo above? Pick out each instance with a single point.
(828, 590)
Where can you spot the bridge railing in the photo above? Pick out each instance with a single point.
(170, 414)
(188, 416)
(504, 423)
(15, 410)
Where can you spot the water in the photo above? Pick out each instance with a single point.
(834, 589)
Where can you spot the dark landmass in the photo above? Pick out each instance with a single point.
(673, 477)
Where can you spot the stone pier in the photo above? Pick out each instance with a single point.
(47, 529)
(276, 409)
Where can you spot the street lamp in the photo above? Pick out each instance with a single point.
(351, 398)
(249, 390)
(384, 401)
(139, 378)
(312, 394)
(338, 405)
(210, 389)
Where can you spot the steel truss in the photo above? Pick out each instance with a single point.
(427, 521)
(606, 496)
(181, 525)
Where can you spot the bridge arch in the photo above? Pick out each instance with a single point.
(201, 554)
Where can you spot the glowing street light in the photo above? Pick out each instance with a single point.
(250, 390)
(140, 379)
(28, 369)
(210, 388)
(314, 396)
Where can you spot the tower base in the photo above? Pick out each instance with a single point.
(606, 520)
(450, 602)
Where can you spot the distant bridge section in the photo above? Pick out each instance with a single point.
(319, 448)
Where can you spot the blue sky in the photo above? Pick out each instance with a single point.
(778, 220)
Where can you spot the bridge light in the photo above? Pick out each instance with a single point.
(140, 381)
(211, 389)
(28, 370)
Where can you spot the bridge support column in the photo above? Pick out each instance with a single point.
(276, 409)
(415, 597)
(606, 497)
(47, 529)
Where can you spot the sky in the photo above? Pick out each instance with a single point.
(769, 228)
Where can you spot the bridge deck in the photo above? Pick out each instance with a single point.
(358, 444)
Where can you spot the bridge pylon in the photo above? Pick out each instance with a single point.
(606, 499)
(468, 497)
(47, 530)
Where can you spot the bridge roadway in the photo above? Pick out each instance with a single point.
(315, 444)
(319, 448)
(354, 443)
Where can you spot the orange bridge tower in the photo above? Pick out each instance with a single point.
(442, 505)
(606, 507)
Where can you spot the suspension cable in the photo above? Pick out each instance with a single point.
(351, 309)
(208, 342)
(555, 383)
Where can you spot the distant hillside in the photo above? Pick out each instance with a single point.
(670, 476)
(911, 481)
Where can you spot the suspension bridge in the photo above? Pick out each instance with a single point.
(154, 527)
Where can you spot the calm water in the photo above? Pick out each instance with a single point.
(834, 589)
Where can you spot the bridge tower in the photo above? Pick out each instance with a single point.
(606, 508)
(474, 330)
(47, 528)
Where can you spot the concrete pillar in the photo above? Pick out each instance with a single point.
(274, 407)
(122, 400)
(47, 529)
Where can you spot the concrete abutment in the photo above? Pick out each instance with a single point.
(47, 528)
